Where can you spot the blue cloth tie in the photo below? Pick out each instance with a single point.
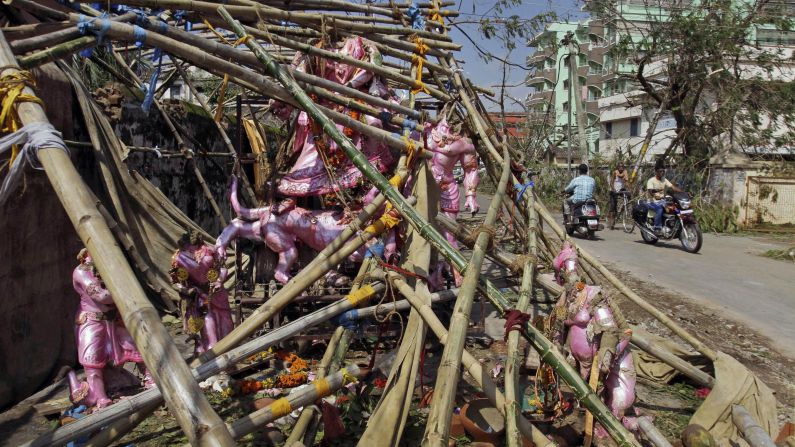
(349, 320)
(375, 250)
(139, 34)
(409, 124)
(522, 188)
(149, 91)
(415, 15)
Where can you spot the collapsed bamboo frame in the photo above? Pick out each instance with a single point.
(292, 92)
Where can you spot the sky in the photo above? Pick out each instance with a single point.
(490, 74)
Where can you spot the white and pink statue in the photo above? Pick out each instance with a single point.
(198, 274)
(280, 228)
(102, 340)
(321, 167)
(594, 328)
(450, 148)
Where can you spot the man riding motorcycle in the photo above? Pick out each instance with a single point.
(655, 192)
(581, 189)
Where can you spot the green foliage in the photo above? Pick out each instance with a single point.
(710, 71)
(716, 217)
(787, 254)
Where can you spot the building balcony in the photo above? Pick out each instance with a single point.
(592, 107)
(540, 55)
(541, 76)
(539, 98)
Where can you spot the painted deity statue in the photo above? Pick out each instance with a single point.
(450, 148)
(594, 328)
(279, 228)
(321, 167)
(102, 339)
(198, 274)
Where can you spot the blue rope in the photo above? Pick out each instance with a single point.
(139, 34)
(149, 90)
(349, 320)
(522, 188)
(88, 25)
(385, 117)
(416, 17)
(409, 124)
(375, 251)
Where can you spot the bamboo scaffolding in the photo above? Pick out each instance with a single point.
(546, 350)
(512, 390)
(141, 401)
(191, 409)
(221, 131)
(475, 369)
(437, 430)
(22, 46)
(259, 12)
(249, 79)
(178, 138)
(54, 53)
(650, 432)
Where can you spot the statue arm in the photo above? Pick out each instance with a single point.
(93, 288)
(471, 181)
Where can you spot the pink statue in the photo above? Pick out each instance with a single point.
(321, 167)
(279, 228)
(102, 339)
(198, 274)
(592, 325)
(450, 148)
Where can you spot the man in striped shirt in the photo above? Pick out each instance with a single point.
(581, 189)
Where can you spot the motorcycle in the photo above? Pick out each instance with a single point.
(585, 219)
(678, 221)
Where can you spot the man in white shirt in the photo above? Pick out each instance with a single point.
(655, 192)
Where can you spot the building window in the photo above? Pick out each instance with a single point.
(175, 91)
(608, 130)
(634, 127)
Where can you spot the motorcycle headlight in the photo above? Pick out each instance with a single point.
(684, 204)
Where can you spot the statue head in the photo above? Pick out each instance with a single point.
(84, 257)
(565, 265)
(190, 237)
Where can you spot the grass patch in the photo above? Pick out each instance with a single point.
(787, 254)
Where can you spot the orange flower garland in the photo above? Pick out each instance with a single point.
(297, 375)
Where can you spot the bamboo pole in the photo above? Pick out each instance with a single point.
(437, 429)
(136, 404)
(22, 46)
(545, 348)
(56, 52)
(475, 369)
(512, 389)
(752, 432)
(698, 376)
(37, 9)
(221, 131)
(191, 409)
(651, 433)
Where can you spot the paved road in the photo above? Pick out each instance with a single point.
(727, 274)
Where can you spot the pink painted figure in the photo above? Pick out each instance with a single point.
(309, 175)
(279, 229)
(102, 339)
(449, 149)
(593, 325)
(198, 274)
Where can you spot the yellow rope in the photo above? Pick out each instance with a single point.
(417, 59)
(347, 377)
(435, 15)
(219, 110)
(11, 87)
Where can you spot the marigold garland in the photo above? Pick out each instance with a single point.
(297, 374)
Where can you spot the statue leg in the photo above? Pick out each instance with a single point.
(286, 260)
(237, 228)
(96, 388)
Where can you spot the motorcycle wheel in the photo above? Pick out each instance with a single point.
(592, 234)
(569, 229)
(647, 238)
(691, 244)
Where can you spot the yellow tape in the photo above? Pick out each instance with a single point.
(281, 408)
(347, 377)
(322, 387)
(396, 181)
(361, 295)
